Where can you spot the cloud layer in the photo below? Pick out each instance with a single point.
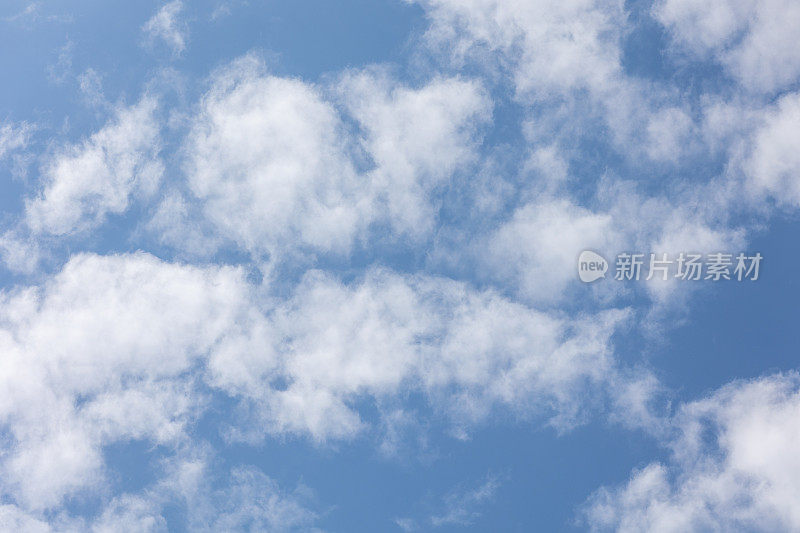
(362, 254)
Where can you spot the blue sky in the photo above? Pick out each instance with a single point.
(312, 266)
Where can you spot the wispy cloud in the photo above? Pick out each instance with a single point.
(463, 506)
(733, 467)
(166, 26)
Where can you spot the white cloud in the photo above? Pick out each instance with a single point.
(122, 347)
(224, 8)
(13, 137)
(242, 499)
(753, 39)
(734, 467)
(267, 158)
(773, 166)
(564, 61)
(130, 513)
(91, 85)
(28, 13)
(553, 46)
(274, 164)
(469, 352)
(166, 26)
(19, 253)
(537, 250)
(82, 184)
(13, 518)
(461, 507)
(534, 253)
(100, 354)
(176, 222)
(668, 134)
(416, 137)
(256, 503)
(127, 347)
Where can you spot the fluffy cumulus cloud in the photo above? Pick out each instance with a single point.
(773, 165)
(417, 138)
(85, 182)
(734, 467)
(275, 166)
(120, 348)
(534, 251)
(468, 351)
(537, 248)
(268, 158)
(552, 46)
(112, 350)
(752, 39)
(100, 354)
(565, 60)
